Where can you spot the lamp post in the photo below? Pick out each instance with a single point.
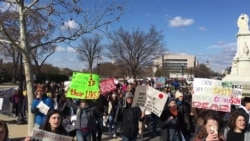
(182, 69)
(98, 68)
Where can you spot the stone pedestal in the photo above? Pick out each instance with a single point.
(240, 72)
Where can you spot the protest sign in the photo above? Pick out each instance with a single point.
(84, 86)
(41, 135)
(140, 96)
(236, 94)
(43, 108)
(160, 82)
(155, 101)
(107, 86)
(209, 94)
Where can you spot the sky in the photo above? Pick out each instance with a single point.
(206, 29)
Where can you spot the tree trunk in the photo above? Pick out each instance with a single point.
(27, 66)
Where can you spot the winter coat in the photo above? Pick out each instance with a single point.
(40, 117)
(169, 127)
(184, 109)
(82, 122)
(129, 117)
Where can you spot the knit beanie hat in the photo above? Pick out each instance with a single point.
(178, 94)
(170, 99)
(128, 95)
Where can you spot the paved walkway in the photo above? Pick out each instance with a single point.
(18, 132)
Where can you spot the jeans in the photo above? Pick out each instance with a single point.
(83, 135)
(124, 138)
(98, 129)
(111, 124)
(155, 119)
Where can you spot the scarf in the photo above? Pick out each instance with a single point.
(173, 111)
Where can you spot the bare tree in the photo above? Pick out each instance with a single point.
(75, 19)
(41, 54)
(11, 52)
(136, 50)
(90, 50)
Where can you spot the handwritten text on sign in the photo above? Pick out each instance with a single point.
(209, 94)
(155, 101)
(41, 135)
(140, 96)
(107, 85)
(84, 86)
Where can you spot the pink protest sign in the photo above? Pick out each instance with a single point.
(107, 85)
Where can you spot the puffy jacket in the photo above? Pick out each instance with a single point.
(40, 117)
(81, 122)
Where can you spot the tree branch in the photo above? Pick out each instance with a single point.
(29, 6)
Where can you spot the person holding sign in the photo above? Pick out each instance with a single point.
(129, 117)
(53, 124)
(170, 122)
(41, 105)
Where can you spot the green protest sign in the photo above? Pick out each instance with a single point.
(84, 86)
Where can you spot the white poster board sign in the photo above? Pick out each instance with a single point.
(43, 108)
(209, 94)
(41, 135)
(155, 101)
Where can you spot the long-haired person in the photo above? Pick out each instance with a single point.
(210, 129)
(237, 126)
(53, 123)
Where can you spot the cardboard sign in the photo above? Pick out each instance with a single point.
(140, 96)
(155, 101)
(84, 86)
(107, 86)
(41, 135)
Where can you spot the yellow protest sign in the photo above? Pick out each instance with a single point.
(84, 86)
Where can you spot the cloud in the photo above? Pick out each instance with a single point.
(70, 25)
(60, 49)
(71, 50)
(180, 22)
(202, 28)
(221, 44)
(224, 58)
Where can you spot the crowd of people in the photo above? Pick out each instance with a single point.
(178, 121)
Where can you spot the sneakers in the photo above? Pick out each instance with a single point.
(114, 135)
